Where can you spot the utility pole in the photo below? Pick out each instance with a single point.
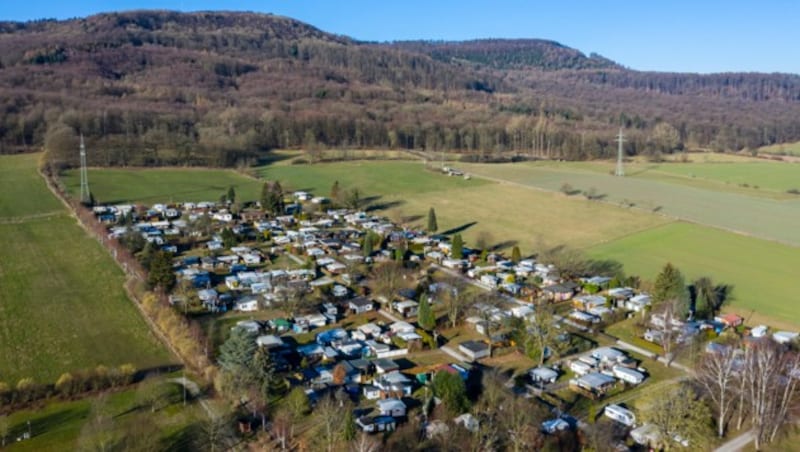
(86, 196)
(620, 171)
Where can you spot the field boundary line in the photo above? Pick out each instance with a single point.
(31, 217)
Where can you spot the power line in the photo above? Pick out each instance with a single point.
(86, 196)
(620, 171)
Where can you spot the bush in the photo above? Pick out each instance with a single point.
(591, 289)
(399, 342)
(427, 339)
(65, 385)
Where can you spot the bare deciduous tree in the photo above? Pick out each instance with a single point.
(456, 301)
(389, 277)
(717, 374)
(668, 312)
(772, 387)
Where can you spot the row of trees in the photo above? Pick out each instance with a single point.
(68, 385)
(754, 383)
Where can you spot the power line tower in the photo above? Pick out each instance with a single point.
(620, 171)
(86, 196)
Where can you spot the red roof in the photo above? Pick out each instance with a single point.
(732, 319)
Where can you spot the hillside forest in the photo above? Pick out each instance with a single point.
(152, 88)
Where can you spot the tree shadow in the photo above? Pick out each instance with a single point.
(724, 296)
(411, 218)
(367, 200)
(605, 267)
(503, 245)
(384, 205)
(458, 229)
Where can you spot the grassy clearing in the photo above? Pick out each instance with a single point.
(58, 426)
(62, 305)
(163, 185)
(21, 189)
(758, 216)
(762, 273)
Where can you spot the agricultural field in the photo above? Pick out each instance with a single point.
(149, 186)
(709, 202)
(20, 183)
(62, 302)
(761, 272)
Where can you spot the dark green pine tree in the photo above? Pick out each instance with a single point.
(457, 251)
(368, 239)
(236, 354)
(670, 285)
(516, 255)
(433, 226)
(335, 193)
(425, 315)
(161, 276)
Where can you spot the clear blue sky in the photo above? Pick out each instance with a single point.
(670, 35)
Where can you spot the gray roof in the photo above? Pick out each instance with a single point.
(474, 346)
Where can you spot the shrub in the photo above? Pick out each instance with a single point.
(65, 385)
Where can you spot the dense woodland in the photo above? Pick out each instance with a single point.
(222, 89)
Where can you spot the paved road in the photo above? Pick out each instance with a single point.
(648, 353)
(737, 444)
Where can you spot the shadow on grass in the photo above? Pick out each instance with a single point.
(45, 424)
(503, 245)
(411, 218)
(458, 229)
(185, 439)
(384, 205)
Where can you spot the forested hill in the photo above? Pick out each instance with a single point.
(509, 54)
(218, 88)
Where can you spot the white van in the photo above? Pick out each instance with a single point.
(621, 415)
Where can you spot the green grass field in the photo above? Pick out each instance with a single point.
(149, 186)
(762, 273)
(21, 188)
(58, 426)
(62, 304)
(678, 197)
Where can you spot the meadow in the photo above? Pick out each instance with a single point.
(113, 186)
(61, 424)
(22, 190)
(62, 302)
(710, 203)
(761, 272)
